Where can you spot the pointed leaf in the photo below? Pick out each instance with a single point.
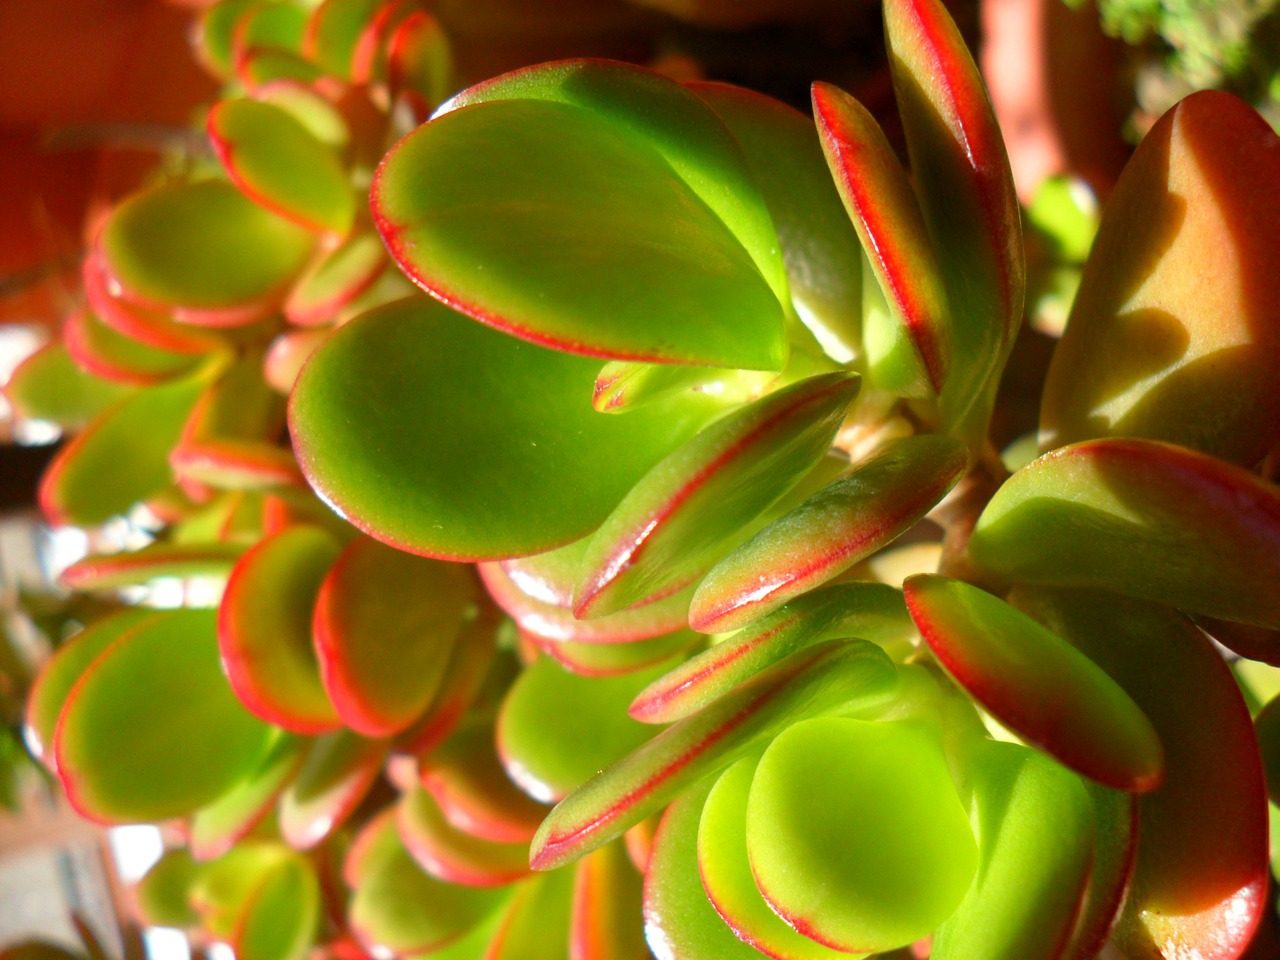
(453, 855)
(203, 246)
(962, 177)
(338, 772)
(359, 421)
(110, 571)
(606, 923)
(838, 675)
(335, 279)
(1034, 824)
(703, 492)
(874, 503)
(48, 385)
(1142, 518)
(868, 611)
(264, 629)
(1175, 331)
(159, 689)
(911, 354)
(1037, 684)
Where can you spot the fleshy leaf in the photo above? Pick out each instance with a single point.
(907, 352)
(146, 326)
(222, 888)
(1175, 331)
(838, 675)
(851, 518)
(101, 351)
(381, 435)
(1115, 848)
(213, 34)
(279, 163)
(855, 833)
(282, 915)
(706, 490)
(469, 664)
(1200, 880)
(338, 772)
(606, 923)
(550, 750)
(1141, 518)
(333, 31)
(453, 855)
(419, 60)
(612, 659)
(264, 629)
(111, 571)
(536, 924)
(48, 385)
(218, 827)
(162, 892)
(1034, 824)
(160, 690)
(868, 611)
(311, 108)
(335, 279)
(685, 263)
(625, 385)
(203, 246)
(1037, 684)
(961, 174)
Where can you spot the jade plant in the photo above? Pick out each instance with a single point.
(617, 400)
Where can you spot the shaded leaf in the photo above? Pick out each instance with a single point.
(337, 773)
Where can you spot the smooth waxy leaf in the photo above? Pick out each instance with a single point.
(869, 611)
(49, 693)
(121, 458)
(236, 465)
(213, 35)
(908, 352)
(961, 174)
(222, 888)
(1115, 847)
(264, 66)
(606, 923)
(264, 629)
(467, 780)
(154, 328)
(282, 916)
(338, 772)
(399, 909)
(550, 750)
(819, 247)
(335, 279)
(557, 624)
(333, 31)
(218, 827)
(280, 164)
(163, 891)
(1142, 518)
(680, 922)
(101, 351)
(311, 108)
(1200, 879)
(612, 659)
(270, 25)
(203, 246)
(451, 854)
(839, 675)
(385, 623)
(702, 493)
(624, 385)
(111, 571)
(1175, 331)
(727, 877)
(48, 385)
(855, 833)
(851, 518)
(534, 179)
(381, 435)
(535, 926)
(152, 730)
(1037, 684)
(419, 61)
(1034, 824)
(471, 661)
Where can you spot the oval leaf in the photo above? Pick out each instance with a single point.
(338, 772)
(452, 855)
(336, 279)
(48, 385)
(218, 827)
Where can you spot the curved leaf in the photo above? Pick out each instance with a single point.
(613, 659)
(338, 772)
(111, 571)
(101, 351)
(606, 923)
(218, 827)
(453, 855)
(282, 916)
(48, 385)
(335, 279)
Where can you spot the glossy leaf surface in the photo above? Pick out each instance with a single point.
(279, 163)
(337, 773)
(703, 492)
(381, 435)
(855, 833)
(821, 679)
(1034, 824)
(867, 508)
(218, 827)
(907, 353)
(869, 611)
(159, 690)
(109, 571)
(264, 629)
(48, 385)
(335, 279)
(613, 659)
(1175, 331)
(453, 855)
(200, 245)
(1037, 684)
(1142, 518)
(281, 918)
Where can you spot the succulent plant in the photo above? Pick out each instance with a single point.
(609, 518)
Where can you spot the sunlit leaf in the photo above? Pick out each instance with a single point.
(48, 385)
(451, 854)
(282, 915)
(111, 571)
(606, 923)
(337, 773)
(335, 279)
(218, 827)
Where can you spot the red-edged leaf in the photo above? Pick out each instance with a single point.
(151, 327)
(614, 659)
(113, 570)
(453, 855)
(338, 772)
(606, 923)
(49, 385)
(536, 924)
(335, 279)
(419, 61)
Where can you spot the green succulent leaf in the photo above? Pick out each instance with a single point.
(339, 770)
(381, 435)
(269, 24)
(471, 661)
(1034, 823)
(218, 827)
(159, 689)
(493, 204)
(110, 571)
(282, 916)
(264, 629)
(834, 676)
(606, 922)
(98, 349)
(280, 164)
(335, 279)
(613, 659)
(142, 325)
(451, 854)
(700, 495)
(263, 66)
(1200, 879)
(1115, 849)
(213, 35)
(334, 30)
(868, 611)
(163, 892)
(1037, 684)
(850, 518)
(49, 385)
(535, 926)
(311, 108)
(961, 174)
(222, 889)
(1142, 518)
(419, 61)
(1175, 332)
